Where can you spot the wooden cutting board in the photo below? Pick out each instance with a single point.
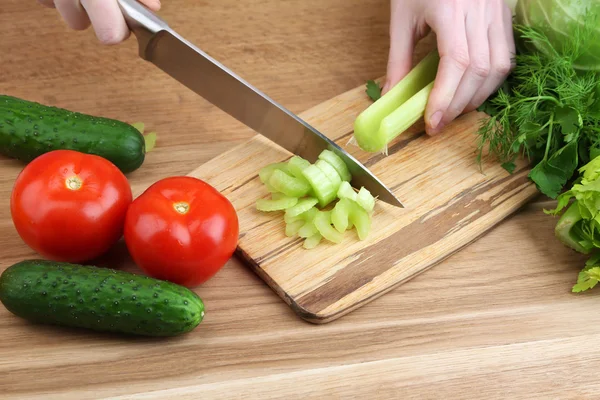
(449, 202)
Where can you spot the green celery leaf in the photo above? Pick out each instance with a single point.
(509, 166)
(552, 174)
(139, 126)
(150, 139)
(587, 279)
(373, 90)
(590, 171)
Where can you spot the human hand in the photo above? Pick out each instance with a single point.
(104, 15)
(476, 46)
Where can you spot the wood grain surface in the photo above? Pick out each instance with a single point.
(494, 321)
(450, 200)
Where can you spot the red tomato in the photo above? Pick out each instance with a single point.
(70, 206)
(182, 230)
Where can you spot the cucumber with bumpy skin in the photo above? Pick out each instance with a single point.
(99, 299)
(29, 129)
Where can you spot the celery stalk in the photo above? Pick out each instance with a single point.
(384, 120)
(406, 115)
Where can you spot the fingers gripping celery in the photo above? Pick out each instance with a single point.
(304, 190)
(398, 109)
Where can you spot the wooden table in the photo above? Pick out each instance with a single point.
(497, 320)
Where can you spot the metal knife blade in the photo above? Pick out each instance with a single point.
(166, 49)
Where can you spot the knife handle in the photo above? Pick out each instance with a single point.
(142, 21)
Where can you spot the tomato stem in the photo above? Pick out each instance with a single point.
(73, 183)
(181, 207)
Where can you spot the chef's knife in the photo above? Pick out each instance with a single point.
(162, 46)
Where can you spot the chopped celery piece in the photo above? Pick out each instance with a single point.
(296, 165)
(346, 192)
(340, 215)
(336, 162)
(305, 216)
(361, 221)
(365, 199)
(289, 219)
(150, 141)
(271, 189)
(292, 229)
(140, 126)
(322, 186)
(309, 215)
(288, 185)
(275, 204)
(398, 109)
(265, 173)
(302, 206)
(330, 172)
(308, 230)
(312, 242)
(323, 223)
(350, 224)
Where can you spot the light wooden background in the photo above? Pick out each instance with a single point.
(495, 321)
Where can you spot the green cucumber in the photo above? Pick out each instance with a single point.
(99, 299)
(28, 130)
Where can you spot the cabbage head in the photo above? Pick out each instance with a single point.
(559, 20)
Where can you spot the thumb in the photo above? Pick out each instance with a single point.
(400, 58)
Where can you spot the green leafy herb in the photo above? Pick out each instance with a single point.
(589, 276)
(547, 111)
(579, 226)
(373, 90)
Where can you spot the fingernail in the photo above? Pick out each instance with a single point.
(436, 124)
(435, 119)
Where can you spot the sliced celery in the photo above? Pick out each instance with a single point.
(336, 162)
(330, 173)
(384, 120)
(302, 206)
(265, 173)
(312, 242)
(140, 126)
(288, 185)
(309, 215)
(296, 165)
(346, 192)
(322, 186)
(289, 219)
(292, 228)
(276, 203)
(323, 223)
(150, 141)
(361, 221)
(307, 230)
(340, 215)
(365, 199)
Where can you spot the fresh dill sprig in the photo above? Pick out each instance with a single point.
(547, 110)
